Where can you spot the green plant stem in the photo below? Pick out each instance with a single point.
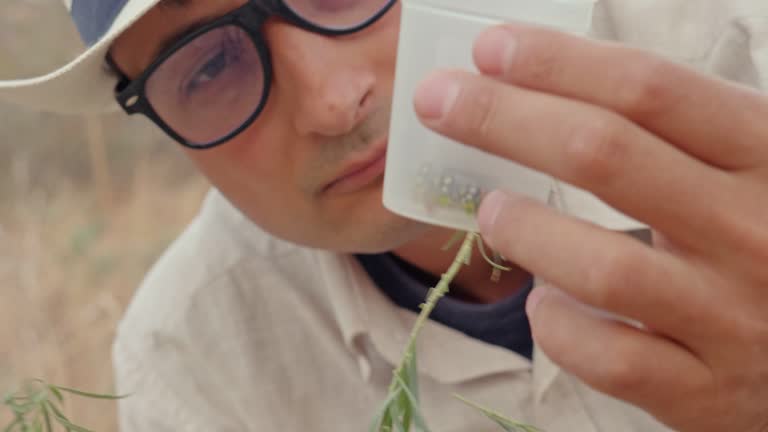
(35, 407)
(503, 421)
(435, 294)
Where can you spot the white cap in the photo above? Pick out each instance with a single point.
(85, 84)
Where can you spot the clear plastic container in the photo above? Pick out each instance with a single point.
(439, 181)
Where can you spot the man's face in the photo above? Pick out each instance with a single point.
(309, 168)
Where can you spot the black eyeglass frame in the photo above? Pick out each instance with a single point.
(131, 94)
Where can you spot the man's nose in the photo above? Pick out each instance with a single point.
(328, 81)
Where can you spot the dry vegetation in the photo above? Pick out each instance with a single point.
(86, 205)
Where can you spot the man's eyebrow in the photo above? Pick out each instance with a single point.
(171, 39)
(167, 42)
(175, 3)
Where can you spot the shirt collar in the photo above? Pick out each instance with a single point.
(444, 354)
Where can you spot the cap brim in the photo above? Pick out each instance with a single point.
(85, 85)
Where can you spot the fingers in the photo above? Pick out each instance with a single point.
(585, 145)
(622, 361)
(694, 112)
(601, 268)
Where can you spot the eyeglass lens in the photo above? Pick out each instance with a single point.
(210, 87)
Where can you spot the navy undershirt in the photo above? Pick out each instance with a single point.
(504, 323)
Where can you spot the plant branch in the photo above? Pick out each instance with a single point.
(435, 294)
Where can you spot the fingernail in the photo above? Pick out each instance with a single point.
(534, 298)
(436, 96)
(489, 211)
(495, 50)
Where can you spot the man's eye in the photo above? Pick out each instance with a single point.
(209, 72)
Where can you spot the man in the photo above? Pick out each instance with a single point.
(287, 302)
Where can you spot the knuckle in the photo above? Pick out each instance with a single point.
(749, 242)
(480, 110)
(648, 89)
(597, 150)
(608, 277)
(621, 376)
(546, 67)
(746, 235)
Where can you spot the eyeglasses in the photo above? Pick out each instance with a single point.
(215, 81)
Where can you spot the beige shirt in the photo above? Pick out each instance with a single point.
(235, 330)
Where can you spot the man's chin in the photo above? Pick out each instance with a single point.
(394, 236)
(376, 233)
(355, 223)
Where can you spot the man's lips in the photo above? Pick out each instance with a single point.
(360, 172)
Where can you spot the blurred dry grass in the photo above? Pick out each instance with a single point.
(86, 205)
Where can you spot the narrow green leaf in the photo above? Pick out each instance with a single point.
(69, 426)
(407, 413)
(55, 411)
(47, 417)
(382, 412)
(378, 419)
(15, 399)
(506, 423)
(57, 393)
(64, 421)
(90, 395)
(20, 408)
(386, 423)
(394, 413)
(401, 413)
(411, 373)
(410, 379)
(418, 419)
(59, 417)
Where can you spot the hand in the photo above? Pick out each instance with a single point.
(685, 153)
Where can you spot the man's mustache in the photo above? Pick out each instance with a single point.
(336, 150)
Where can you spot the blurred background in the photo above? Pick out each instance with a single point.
(86, 205)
